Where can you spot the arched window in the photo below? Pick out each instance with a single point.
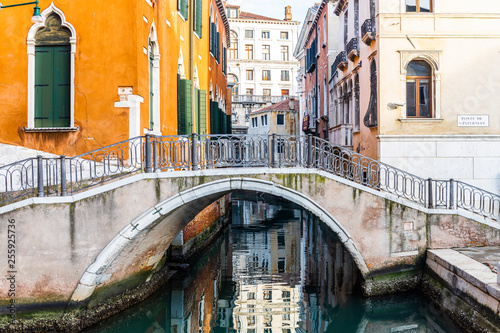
(418, 89)
(233, 80)
(51, 61)
(357, 118)
(52, 74)
(154, 82)
(233, 48)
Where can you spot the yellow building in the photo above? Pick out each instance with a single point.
(93, 74)
(281, 118)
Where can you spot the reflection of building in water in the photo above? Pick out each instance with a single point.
(266, 264)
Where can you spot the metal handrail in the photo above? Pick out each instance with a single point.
(62, 176)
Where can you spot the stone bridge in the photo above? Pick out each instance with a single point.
(91, 245)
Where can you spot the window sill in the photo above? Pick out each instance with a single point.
(51, 129)
(420, 120)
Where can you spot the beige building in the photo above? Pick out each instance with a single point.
(281, 118)
(418, 81)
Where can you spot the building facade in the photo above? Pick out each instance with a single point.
(320, 51)
(281, 118)
(83, 79)
(261, 67)
(399, 82)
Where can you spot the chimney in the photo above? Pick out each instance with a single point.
(288, 13)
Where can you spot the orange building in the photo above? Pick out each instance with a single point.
(95, 74)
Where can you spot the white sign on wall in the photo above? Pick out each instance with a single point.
(473, 121)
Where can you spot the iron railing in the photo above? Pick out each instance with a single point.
(368, 31)
(352, 49)
(258, 99)
(62, 176)
(340, 61)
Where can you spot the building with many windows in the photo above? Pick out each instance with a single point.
(413, 82)
(261, 67)
(281, 118)
(83, 79)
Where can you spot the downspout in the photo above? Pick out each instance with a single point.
(191, 62)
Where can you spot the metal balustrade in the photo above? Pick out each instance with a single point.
(64, 176)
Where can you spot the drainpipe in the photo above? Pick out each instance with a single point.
(191, 61)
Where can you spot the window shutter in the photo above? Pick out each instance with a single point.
(202, 111)
(217, 47)
(228, 122)
(197, 110)
(214, 118)
(184, 107)
(199, 17)
(44, 85)
(62, 65)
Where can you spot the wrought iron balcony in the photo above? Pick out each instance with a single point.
(352, 49)
(340, 61)
(258, 99)
(368, 32)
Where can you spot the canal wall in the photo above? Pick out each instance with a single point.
(463, 288)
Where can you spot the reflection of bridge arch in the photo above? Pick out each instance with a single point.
(174, 211)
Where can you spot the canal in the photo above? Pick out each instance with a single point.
(275, 269)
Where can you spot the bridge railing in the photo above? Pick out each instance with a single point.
(62, 176)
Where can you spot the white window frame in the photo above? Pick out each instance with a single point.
(31, 70)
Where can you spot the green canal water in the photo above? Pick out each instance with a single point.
(276, 269)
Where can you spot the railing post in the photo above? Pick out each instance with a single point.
(297, 151)
(273, 152)
(40, 175)
(64, 190)
(155, 154)
(194, 151)
(208, 153)
(452, 195)
(309, 151)
(429, 193)
(148, 154)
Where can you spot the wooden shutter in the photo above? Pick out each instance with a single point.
(202, 111)
(52, 86)
(196, 110)
(184, 120)
(198, 17)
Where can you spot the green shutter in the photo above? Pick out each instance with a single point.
(217, 47)
(202, 111)
(52, 86)
(184, 119)
(184, 8)
(214, 118)
(228, 124)
(196, 110)
(198, 17)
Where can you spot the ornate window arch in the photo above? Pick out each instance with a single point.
(51, 98)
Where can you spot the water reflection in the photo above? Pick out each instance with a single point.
(278, 270)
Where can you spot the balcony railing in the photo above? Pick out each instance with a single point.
(342, 136)
(368, 32)
(340, 61)
(258, 99)
(352, 49)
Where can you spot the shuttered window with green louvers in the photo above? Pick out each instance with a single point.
(214, 118)
(184, 115)
(198, 15)
(202, 112)
(182, 7)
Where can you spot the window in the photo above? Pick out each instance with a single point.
(198, 11)
(285, 75)
(285, 92)
(254, 124)
(420, 6)
(182, 7)
(266, 34)
(250, 74)
(249, 51)
(248, 33)
(233, 47)
(284, 53)
(266, 52)
(52, 88)
(280, 119)
(418, 89)
(249, 91)
(284, 35)
(266, 92)
(268, 295)
(266, 75)
(263, 120)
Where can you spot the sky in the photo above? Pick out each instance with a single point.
(275, 8)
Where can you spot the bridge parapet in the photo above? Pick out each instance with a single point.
(65, 176)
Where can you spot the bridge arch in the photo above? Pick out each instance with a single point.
(194, 200)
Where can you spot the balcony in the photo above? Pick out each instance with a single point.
(341, 135)
(340, 61)
(368, 32)
(352, 49)
(258, 99)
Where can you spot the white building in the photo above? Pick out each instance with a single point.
(260, 62)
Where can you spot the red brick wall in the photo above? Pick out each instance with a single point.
(205, 218)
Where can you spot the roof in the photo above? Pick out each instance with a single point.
(252, 16)
(280, 106)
